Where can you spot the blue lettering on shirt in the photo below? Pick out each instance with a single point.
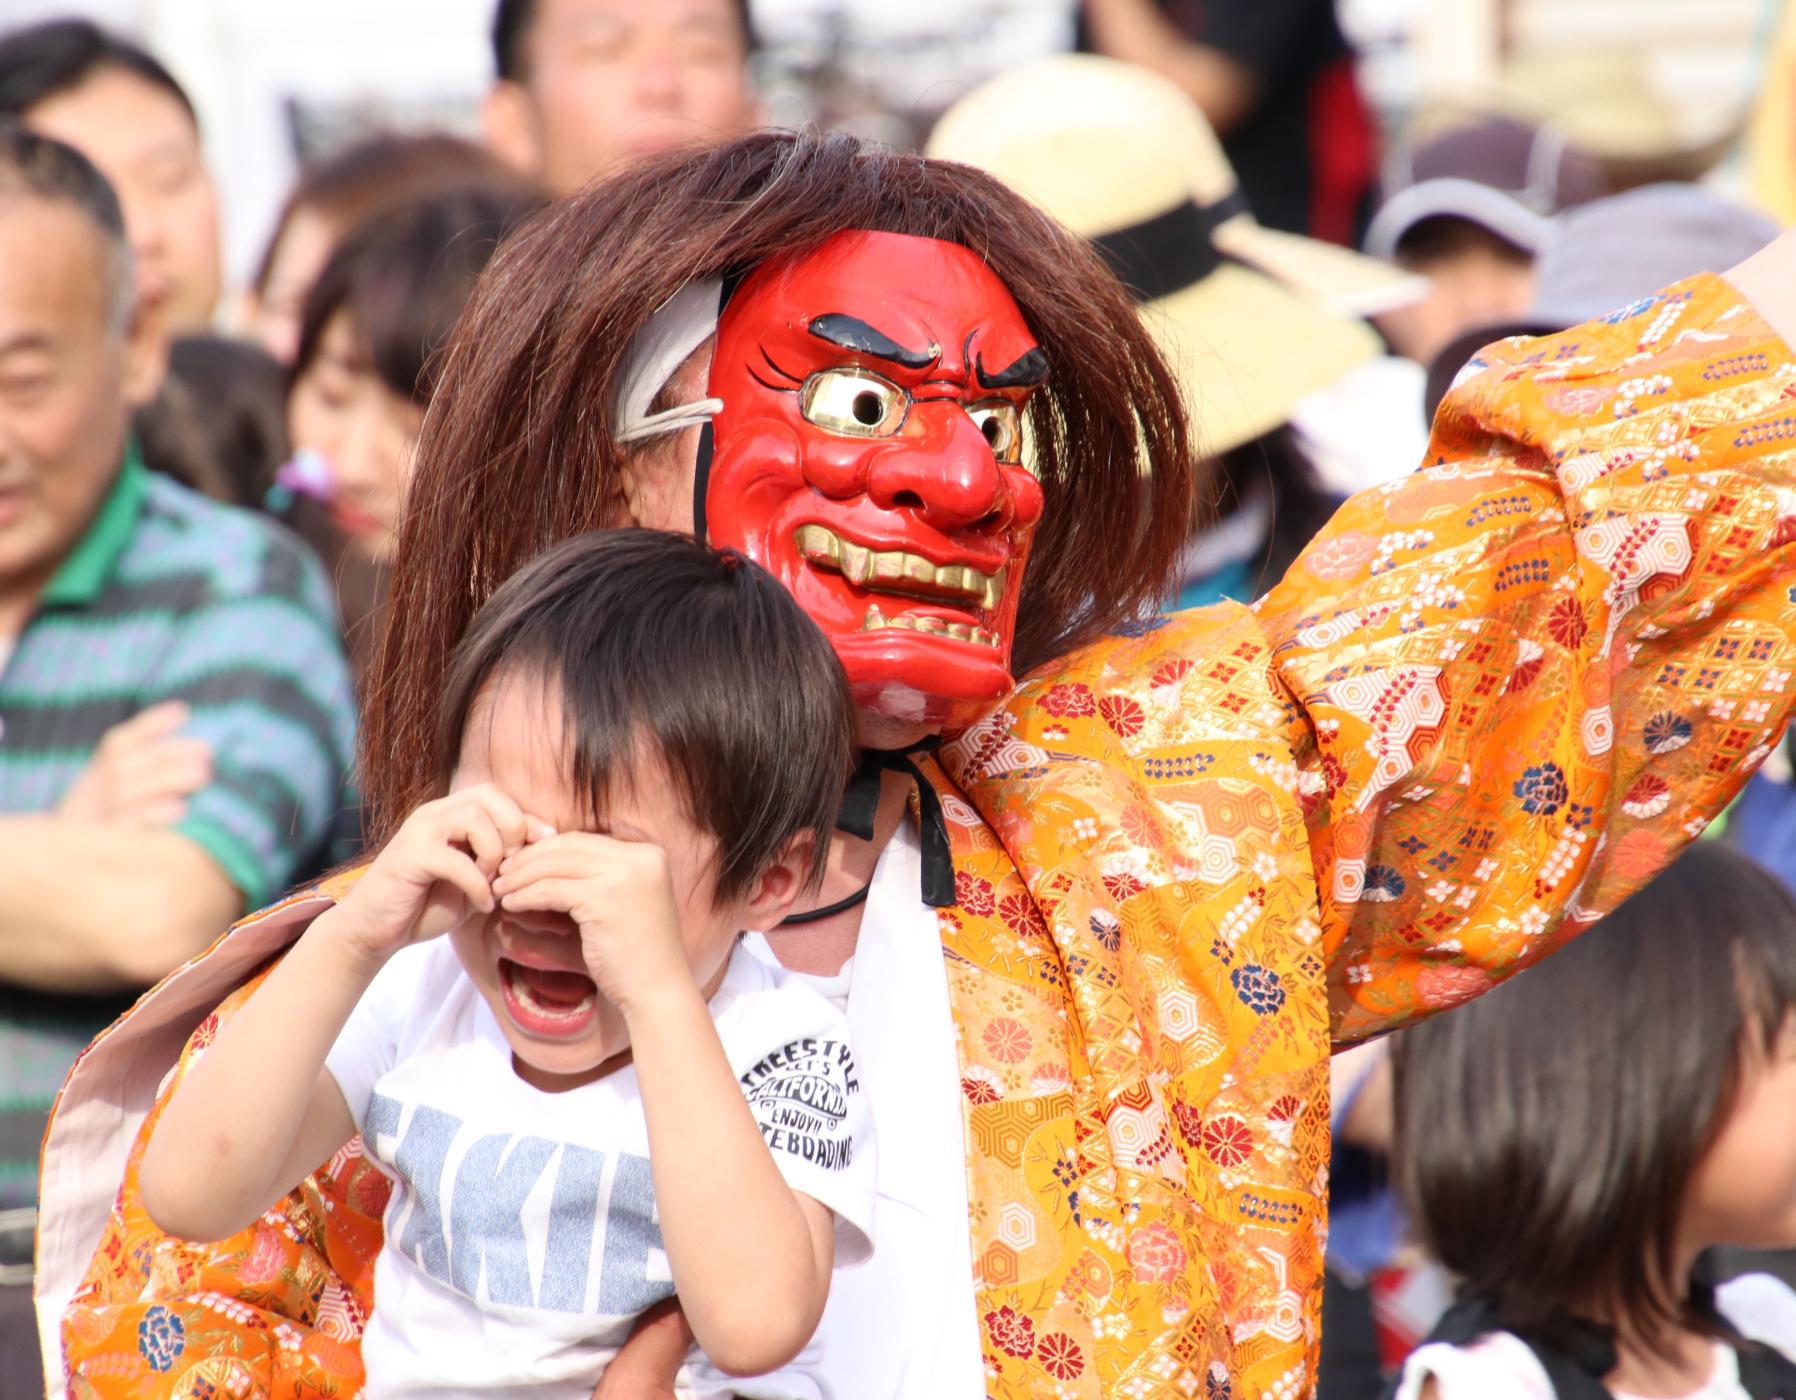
(485, 1235)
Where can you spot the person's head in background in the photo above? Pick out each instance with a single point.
(1469, 210)
(121, 109)
(1653, 1122)
(77, 354)
(585, 84)
(334, 195)
(1110, 149)
(219, 423)
(366, 361)
(1605, 256)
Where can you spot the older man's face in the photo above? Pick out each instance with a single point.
(69, 376)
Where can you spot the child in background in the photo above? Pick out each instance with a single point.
(1570, 1143)
(589, 1097)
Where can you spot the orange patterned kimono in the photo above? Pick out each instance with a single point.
(1489, 702)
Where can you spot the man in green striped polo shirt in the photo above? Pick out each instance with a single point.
(176, 720)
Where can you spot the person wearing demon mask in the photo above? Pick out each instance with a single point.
(1109, 883)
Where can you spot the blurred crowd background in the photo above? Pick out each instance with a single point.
(214, 363)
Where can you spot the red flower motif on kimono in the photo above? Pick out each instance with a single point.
(1155, 1254)
(978, 1090)
(1006, 1040)
(1285, 1109)
(206, 1032)
(973, 894)
(1122, 886)
(1069, 700)
(1228, 1283)
(369, 1190)
(1139, 826)
(1171, 673)
(1122, 714)
(1190, 1122)
(1567, 623)
(1342, 556)
(1442, 985)
(1526, 673)
(265, 1259)
(1060, 1356)
(1227, 1140)
(1334, 773)
(1021, 916)
(1649, 796)
(1011, 1332)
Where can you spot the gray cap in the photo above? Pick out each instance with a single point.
(1506, 176)
(1606, 255)
(1600, 257)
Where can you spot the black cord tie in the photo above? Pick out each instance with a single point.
(860, 801)
(811, 916)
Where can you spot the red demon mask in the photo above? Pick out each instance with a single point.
(869, 453)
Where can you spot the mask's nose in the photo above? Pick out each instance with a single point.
(947, 475)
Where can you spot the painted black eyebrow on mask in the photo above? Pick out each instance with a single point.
(852, 333)
(1024, 372)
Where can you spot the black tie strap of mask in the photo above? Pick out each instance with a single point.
(861, 801)
(707, 444)
(860, 804)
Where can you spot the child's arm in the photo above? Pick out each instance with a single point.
(258, 1110)
(750, 1256)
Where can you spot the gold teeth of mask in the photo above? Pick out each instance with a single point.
(930, 626)
(897, 570)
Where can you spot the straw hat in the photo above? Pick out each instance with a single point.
(1123, 158)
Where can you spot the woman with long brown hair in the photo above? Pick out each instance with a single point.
(1095, 946)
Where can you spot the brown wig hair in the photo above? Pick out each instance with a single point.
(1595, 1129)
(651, 638)
(517, 448)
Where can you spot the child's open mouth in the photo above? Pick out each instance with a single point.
(546, 1002)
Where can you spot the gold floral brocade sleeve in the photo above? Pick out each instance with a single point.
(1526, 675)
(276, 1311)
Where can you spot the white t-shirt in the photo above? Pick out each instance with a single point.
(904, 1327)
(521, 1237)
(1500, 1367)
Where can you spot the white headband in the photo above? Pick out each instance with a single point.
(683, 324)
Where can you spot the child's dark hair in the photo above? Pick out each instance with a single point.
(652, 635)
(1547, 1133)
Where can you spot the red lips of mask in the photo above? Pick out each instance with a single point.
(869, 454)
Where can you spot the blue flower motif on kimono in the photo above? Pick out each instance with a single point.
(1383, 884)
(161, 1338)
(1107, 929)
(1542, 789)
(1258, 987)
(1667, 731)
(1631, 310)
